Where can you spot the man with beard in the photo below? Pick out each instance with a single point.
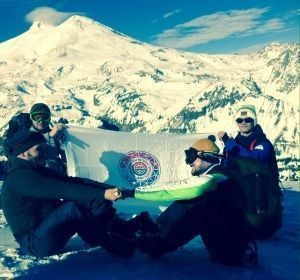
(212, 205)
(44, 209)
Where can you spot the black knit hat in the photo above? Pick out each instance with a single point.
(23, 140)
(40, 109)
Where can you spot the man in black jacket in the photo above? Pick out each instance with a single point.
(53, 155)
(217, 215)
(44, 209)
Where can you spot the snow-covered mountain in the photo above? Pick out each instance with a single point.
(90, 73)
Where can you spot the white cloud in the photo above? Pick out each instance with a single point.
(291, 14)
(172, 13)
(218, 26)
(166, 15)
(271, 25)
(47, 15)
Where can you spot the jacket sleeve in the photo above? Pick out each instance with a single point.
(188, 189)
(34, 184)
(262, 150)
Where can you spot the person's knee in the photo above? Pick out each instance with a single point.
(153, 245)
(71, 211)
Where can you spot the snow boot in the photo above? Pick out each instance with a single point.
(119, 245)
(150, 243)
(129, 228)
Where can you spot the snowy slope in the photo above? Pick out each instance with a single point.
(88, 72)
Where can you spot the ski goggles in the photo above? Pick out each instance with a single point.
(246, 120)
(192, 154)
(40, 117)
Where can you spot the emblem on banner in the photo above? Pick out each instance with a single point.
(139, 168)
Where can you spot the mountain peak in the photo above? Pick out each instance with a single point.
(80, 21)
(274, 50)
(84, 23)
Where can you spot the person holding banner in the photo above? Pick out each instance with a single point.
(250, 141)
(53, 155)
(44, 209)
(211, 208)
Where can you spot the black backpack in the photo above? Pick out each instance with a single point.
(263, 195)
(18, 122)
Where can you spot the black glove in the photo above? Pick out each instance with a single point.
(126, 193)
(63, 121)
(225, 138)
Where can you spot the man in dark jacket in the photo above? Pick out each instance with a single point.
(217, 215)
(44, 209)
(251, 141)
(53, 155)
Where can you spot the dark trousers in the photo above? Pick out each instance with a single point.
(50, 236)
(211, 216)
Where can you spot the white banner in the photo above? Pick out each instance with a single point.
(126, 159)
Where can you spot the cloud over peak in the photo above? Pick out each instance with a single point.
(47, 15)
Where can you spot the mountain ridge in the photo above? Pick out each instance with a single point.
(87, 72)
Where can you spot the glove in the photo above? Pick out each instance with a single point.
(126, 193)
(63, 120)
(225, 138)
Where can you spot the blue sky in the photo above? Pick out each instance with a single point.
(213, 26)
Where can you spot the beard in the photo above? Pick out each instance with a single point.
(196, 171)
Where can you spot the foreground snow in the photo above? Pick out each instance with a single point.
(279, 257)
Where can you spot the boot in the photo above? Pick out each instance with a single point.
(130, 227)
(119, 245)
(150, 243)
(146, 223)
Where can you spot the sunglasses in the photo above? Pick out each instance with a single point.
(247, 120)
(40, 118)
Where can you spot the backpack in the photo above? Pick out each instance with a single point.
(263, 211)
(18, 122)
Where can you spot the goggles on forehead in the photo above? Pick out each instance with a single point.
(40, 117)
(192, 154)
(247, 120)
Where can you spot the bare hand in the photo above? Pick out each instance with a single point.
(56, 128)
(112, 194)
(221, 134)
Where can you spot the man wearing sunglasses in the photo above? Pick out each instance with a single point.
(251, 141)
(52, 154)
(211, 206)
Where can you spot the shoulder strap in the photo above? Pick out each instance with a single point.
(251, 147)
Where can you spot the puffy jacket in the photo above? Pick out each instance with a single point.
(256, 146)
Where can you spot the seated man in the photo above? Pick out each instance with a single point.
(215, 211)
(44, 209)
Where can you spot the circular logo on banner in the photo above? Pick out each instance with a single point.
(139, 168)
